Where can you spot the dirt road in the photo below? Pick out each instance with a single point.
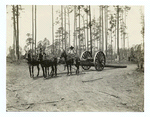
(109, 90)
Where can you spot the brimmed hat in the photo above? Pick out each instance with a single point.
(71, 47)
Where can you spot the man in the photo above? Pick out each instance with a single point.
(72, 53)
(71, 50)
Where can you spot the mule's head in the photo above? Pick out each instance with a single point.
(62, 57)
(63, 54)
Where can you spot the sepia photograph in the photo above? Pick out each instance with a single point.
(75, 58)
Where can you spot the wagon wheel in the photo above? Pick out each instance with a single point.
(84, 56)
(99, 60)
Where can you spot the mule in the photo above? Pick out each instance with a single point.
(49, 62)
(33, 61)
(69, 61)
(45, 63)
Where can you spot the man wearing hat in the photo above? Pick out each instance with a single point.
(71, 50)
(71, 53)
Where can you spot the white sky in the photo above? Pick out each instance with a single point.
(44, 23)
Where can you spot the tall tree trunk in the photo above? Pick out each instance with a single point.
(14, 26)
(118, 32)
(90, 31)
(65, 26)
(87, 32)
(53, 29)
(62, 23)
(84, 33)
(123, 33)
(128, 41)
(79, 32)
(102, 31)
(74, 24)
(115, 31)
(69, 25)
(59, 44)
(35, 29)
(75, 29)
(14, 32)
(100, 12)
(94, 23)
(124, 28)
(32, 28)
(94, 36)
(106, 28)
(17, 41)
(111, 46)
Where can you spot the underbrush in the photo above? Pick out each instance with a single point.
(139, 77)
(16, 62)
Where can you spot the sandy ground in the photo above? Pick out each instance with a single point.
(111, 90)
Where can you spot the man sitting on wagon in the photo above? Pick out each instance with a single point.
(71, 52)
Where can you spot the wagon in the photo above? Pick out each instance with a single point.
(99, 60)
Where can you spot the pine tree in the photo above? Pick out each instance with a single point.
(118, 32)
(35, 29)
(52, 29)
(17, 40)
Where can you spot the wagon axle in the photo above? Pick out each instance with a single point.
(99, 60)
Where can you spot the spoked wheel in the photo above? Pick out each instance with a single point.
(84, 56)
(99, 60)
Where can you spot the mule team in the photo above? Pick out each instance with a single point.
(68, 58)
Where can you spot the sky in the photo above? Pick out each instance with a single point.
(44, 23)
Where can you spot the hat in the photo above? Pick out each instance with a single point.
(71, 47)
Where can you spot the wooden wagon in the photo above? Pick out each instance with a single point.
(98, 61)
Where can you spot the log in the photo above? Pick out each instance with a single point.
(116, 65)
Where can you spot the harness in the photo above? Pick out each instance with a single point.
(40, 57)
